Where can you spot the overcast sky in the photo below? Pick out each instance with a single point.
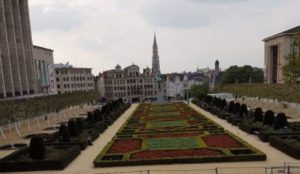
(190, 33)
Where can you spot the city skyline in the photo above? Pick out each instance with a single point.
(102, 34)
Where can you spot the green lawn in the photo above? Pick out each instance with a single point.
(171, 143)
(160, 124)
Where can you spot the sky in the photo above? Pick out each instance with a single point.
(190, 33)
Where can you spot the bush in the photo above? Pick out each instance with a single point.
(80, 124)
(97, 115)
(59, 158)
(258, 115)
(287, 145)
(37, 148)
(280, 121)
(90, 118)
(63, 133)
(243, 110)
(237, 107)
(73, 129)
(224, 104)
(269, 118)
(231, 107)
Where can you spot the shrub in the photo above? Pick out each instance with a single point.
(63, 133)
(97, 115)
(90, 118)
(80, 124)
(243, 110)
(280, 121)
(37, 148)
(73, 129)
(237, 107)
(258, 115)
(269, 118)
(231, 107)
(224, 104)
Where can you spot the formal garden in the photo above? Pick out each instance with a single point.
(173, 133)
(268, 126)
(56, 150)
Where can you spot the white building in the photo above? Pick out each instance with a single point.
(70, 79)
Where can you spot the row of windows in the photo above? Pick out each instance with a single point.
(76, 85)
(76, 91)
(73, 71)
(129, 81)
(74, 78)
(118, 88)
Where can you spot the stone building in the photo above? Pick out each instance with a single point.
(128, 84)
(155, 58)
(17, 72)
(276, 48)
(71, 80)
(44, 67)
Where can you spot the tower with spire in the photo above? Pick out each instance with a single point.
(155, 58)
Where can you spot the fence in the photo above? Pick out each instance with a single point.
(21, 127)
(287, 168)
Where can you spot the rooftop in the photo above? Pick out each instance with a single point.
(287, 32)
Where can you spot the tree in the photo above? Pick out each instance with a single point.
(244, 74)
(198, 90)
(291, 70)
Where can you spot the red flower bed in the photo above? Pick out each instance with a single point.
(125, 146)
(158, 154)
(171, 135)
(222, 140)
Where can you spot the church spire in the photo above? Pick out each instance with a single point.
(155, 58)
(154, 43)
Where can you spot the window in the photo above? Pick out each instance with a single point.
(58, 86)
(57, 79)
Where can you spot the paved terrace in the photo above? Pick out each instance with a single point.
(83, 164)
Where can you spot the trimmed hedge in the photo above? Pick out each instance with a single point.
(289, 147)
(65, 156)
(254, 157)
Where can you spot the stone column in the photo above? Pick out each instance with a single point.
(28, 45)
(2, 86)
(6, 63)
(20, 46)
(12, 47)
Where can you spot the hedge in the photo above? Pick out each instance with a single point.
(11, 163)
(288, 147)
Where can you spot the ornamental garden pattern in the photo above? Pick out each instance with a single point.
(173, 133)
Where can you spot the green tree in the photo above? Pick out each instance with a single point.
(198, 90)
(244, 74)
(291, 70)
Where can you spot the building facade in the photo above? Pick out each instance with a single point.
(72, 80)
(175, 85)
(17, 72)
(276, 48)
(128, 84)
(44, 67)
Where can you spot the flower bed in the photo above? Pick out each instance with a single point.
(173, 133)
(125, 146)
(222, 141)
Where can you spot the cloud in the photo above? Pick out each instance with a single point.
(53, 17)
(176, 14)
(190, 33)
